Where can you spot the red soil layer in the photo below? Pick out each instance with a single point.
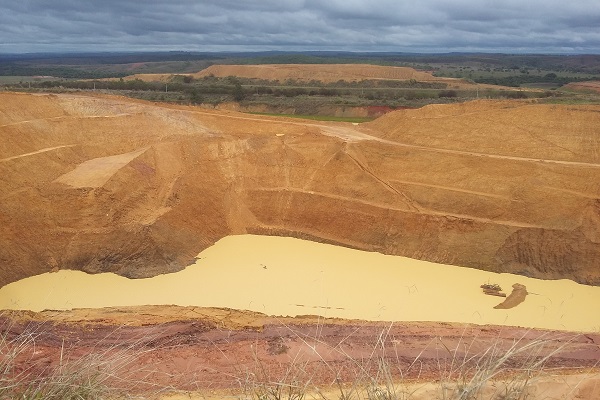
(226, 349)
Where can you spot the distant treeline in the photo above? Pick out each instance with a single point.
(213, 84)
(184, 89)
(10, 69)
(102, 65)
(134, 84)
(106, 58)
(524, 79)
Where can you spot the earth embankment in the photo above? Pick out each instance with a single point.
(107, 184)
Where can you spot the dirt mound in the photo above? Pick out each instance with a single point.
(318, 72)
(98, 183)
(326, 73)
(584, 86)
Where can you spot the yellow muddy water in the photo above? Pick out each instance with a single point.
(289, 277)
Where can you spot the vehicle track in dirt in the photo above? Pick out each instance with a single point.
(36, 152)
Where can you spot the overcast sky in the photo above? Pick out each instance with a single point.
(540, 26)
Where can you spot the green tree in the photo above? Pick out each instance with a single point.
(195, 97)
(238, 92)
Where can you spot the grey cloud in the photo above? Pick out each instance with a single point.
(392, 25)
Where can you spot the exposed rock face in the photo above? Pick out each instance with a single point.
(111, 184)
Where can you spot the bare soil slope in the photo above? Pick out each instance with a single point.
(306, 72)
(317, 72)
(98, 183)
(585, 86)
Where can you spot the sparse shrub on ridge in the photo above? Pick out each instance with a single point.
(447, 93)
(497, 372)
(517, 95)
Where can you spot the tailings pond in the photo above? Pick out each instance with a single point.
(289, 277)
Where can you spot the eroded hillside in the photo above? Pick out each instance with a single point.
(110, 184)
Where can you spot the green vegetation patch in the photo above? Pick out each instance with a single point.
(319, 117)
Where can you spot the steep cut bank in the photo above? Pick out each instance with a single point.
(107, 184)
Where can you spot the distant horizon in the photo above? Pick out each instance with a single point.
(284, 52)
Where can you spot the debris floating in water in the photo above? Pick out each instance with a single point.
(516, 297)
(492, 289)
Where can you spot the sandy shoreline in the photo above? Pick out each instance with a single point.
(289, 277)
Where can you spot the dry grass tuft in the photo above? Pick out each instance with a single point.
(106, 371)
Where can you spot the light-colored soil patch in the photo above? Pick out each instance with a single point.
(96, 172)
(325, 73)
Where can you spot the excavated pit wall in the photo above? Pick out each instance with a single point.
(107, 184)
